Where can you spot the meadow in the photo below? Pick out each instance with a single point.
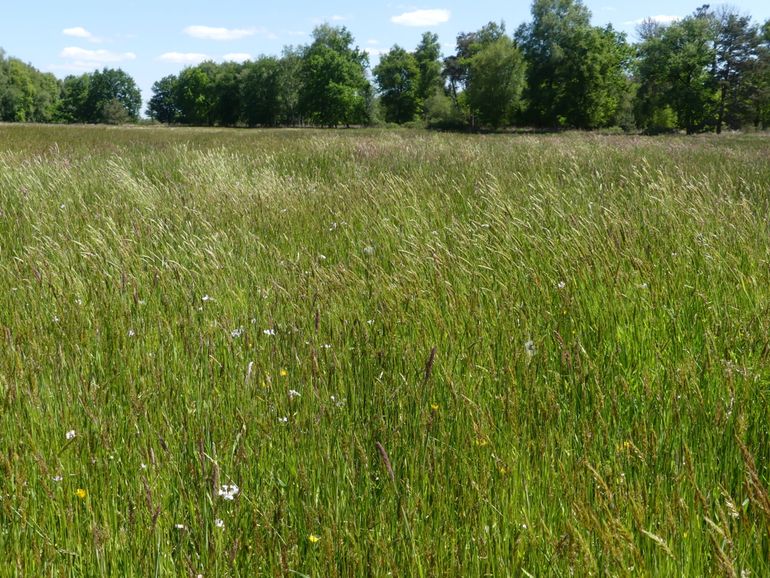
(383, 353)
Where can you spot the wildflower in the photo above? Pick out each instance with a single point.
(561, 285)
(206, 298)
(219, 523)
(179, 526)
(326, 346)
(70, 434)
(131, 333)
(322, 257)
(434, 406)
(369, 251)
(294, 393)
(143, 466)
(57, 479)
(236, 333)
(79, 301)
(283, 373)
(228, 492)
(283, 419)
(313, 538)
(529, 346)
(269, 332)
(81, 493)
(481, 442)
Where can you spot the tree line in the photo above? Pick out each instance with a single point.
(705, 72)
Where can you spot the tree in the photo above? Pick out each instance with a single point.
(398, 79)
(427, 55)
(674, 71)
(194, 94)
(334, 85)
(260, 91)
(576, 73)
(162, 106)
(736, 46)
(495, 81)
(108, 87)
(26, 94)
(74, 94)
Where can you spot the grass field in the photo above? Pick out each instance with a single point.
(414, 354)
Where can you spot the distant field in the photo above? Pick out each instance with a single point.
(183, 311)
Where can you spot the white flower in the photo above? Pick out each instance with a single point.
(56, 319)
(57, 478)
(283, 419)
(228, 492)
(206, 298)
(368, 250)
(143, 466)
(530, 348)
(322, 257)
(79, 301)
(371, 322)
(219, 523)
(236, 333)
(179, 526)
(70, 434)
(561, 285)
(294, 393)
(326, 346)
(269, 332)
(131, 332)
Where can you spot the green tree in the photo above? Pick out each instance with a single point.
(162, 106)
(495, 81)
(675, 72)
(260, 91)
(737, 53)
(226, 93)
(428, 55)
(576, 73)
(106, 87)
(26, 94)
(398, 78)
(194, 94)
(74, 94)
(334, 85)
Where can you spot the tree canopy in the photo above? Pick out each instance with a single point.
(706, 72)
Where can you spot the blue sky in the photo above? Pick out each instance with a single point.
(150, 39)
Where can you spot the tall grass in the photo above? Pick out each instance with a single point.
(414, 354)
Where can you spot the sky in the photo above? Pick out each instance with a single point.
(150, 39)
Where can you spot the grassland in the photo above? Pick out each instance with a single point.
(203, 308)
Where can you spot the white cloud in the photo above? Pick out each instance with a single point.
(660, 19)
(213, 33)
(238, 57)
(374, 51)
(422, 17)
(80, 32)
(338, 18)
(77, 32)
(183, 57)
(83, 55)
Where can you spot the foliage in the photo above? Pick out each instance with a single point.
(334, 86)
(398, 80)
(575, 72)
(495, 82)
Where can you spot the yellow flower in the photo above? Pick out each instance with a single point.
(313, 538)
(434, 406)
(503, 470)
(283, 373)
(80, 493)
(481, 442)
